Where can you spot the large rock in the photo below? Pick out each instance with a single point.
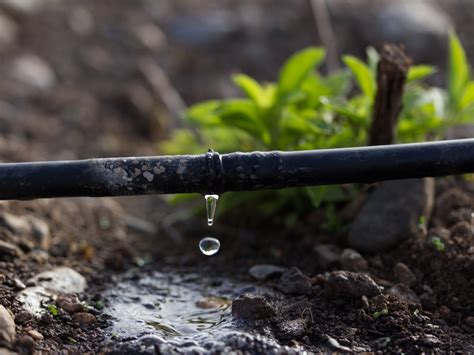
(48, 285)
(392, 214)
(345, 284)
(295, 282)
(249, 306)
(7, 326)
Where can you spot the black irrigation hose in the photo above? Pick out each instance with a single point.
(217, 173)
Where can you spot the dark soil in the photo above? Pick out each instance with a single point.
(102, 105)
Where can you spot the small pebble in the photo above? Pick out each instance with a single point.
(469, 321)
(404, 275)
(35, 334)
(84, 318)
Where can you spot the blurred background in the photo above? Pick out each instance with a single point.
(106, 78)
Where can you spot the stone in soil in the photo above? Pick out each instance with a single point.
(345, 284)
(61, 279)
(351, 260)
(84, 318)
(391, 214)
(47, 285)
(7, 326)
(10, 250)
(70, 303)
(404, 294)
(327, 255)
(41, 232)
(295, 282)
(265, 271)
(212, 302)
(33, 72)
(404, 275)
(469, 321)
(292, 329)
(16, 224)
(253, 307)
(35, 334)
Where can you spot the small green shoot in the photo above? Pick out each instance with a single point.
(438, 244)
(52, 309)
(71, 340)
(384, 312)
(422, 225)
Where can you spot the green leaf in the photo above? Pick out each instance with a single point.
(467, 98)
(254, 91)
(419, 72)
(242, 114)
(296, 69)
(458, 70)
(203, 113)
(373, 58)
(363, 75)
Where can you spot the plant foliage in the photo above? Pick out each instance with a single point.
(304, 109)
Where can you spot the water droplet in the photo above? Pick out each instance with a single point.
(211, 204)
(209, 246)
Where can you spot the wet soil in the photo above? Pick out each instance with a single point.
(102, 105)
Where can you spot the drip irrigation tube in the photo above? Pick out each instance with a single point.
(217, 173)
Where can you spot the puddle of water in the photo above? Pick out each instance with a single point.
(180, 310)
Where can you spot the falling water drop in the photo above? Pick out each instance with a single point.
(211, 203)
(209, 246)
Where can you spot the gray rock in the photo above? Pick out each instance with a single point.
(249, 306)
(48, 284)
(345, 284)
(33, 298)
(294, 282)
(26, 7)
(8, 249)
(16, 224)
(327, 255)
(60, 280)
(391, 214)
(404, 294)
(265, 271)
(351, 260)
(41, 232)
(404, 275)
(7, 326)
(33, 72)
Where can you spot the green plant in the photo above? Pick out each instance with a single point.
(52, 309)
(438, 244)
(304, 109)
(384, 312)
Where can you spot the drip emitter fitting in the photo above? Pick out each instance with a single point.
(215, 173)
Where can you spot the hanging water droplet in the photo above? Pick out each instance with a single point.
(211, 203)
(209, 246)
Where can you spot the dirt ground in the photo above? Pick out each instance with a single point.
(88, 97)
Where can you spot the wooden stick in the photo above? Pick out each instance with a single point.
(391, 76)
